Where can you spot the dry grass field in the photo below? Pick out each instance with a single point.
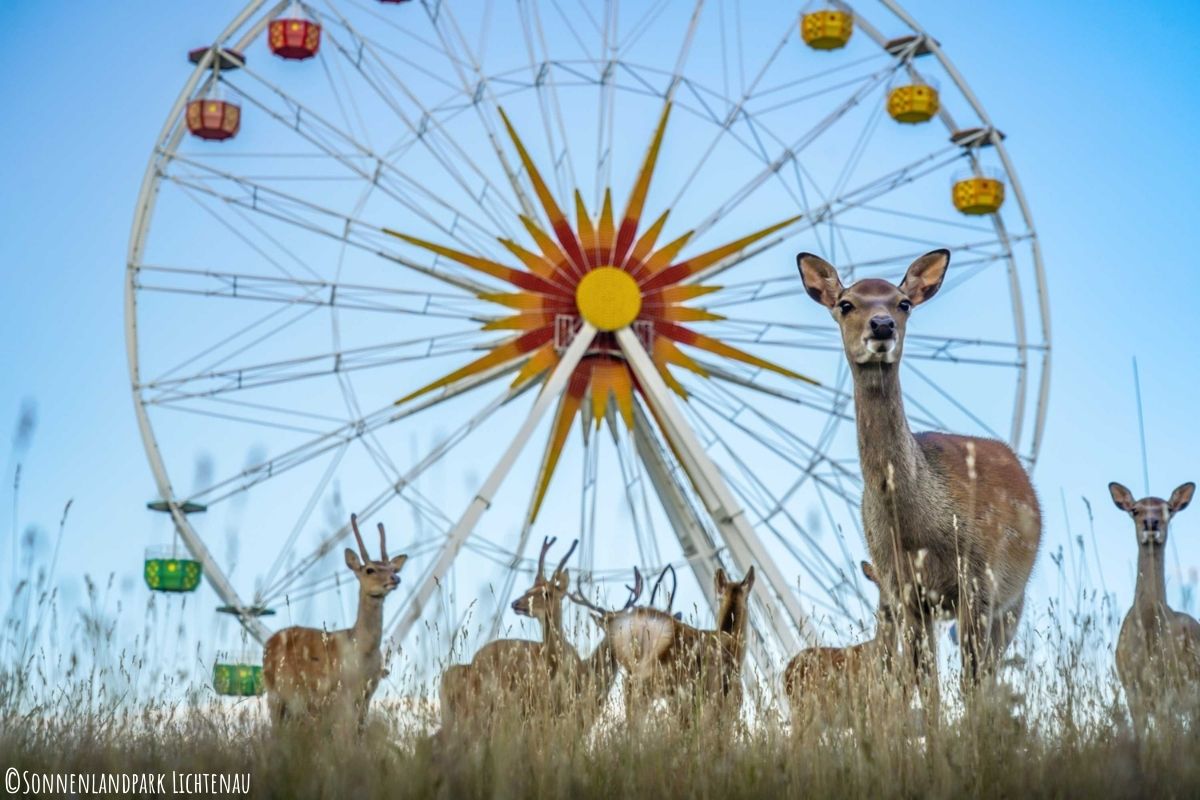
(1054, 725)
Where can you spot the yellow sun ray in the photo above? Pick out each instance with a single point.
(519, 322)
(646, 243)
(516, 277)
(562, 228)
(604, 231)
(691, 266)
(641, 186)
(511, 349)
(587, 234)
(568, 407)
(541, 360)
(532, 261)
(664, 256)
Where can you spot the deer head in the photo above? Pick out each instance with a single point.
(545, 596)
(1151, 515)
(733, 600)
(375, 578)
(872, 313)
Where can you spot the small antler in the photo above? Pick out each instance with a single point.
(382, 544)
(563, 564)
(635, 592)
(362, 548)
(674, 585)
(547, 543)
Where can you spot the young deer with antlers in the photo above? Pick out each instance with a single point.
(313, 671)
(663, 657)
(1158, 651)
(952, 522)
(826, 682)
(524, 677)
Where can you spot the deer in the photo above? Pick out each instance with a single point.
(1158, 649)
(312, 671)
(663, 657)
(525, 677)
(952, 522)
(822, 682)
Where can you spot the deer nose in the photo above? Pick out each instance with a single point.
(1152, 523)
(883, 327)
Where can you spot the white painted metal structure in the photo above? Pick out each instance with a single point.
(259, 272)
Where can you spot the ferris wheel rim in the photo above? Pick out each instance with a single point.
(145, 207)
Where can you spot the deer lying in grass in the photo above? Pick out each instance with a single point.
(952, 522)
(310, 671)
(1158, 651)
(526, 678)
(827, 682)
(663, 657)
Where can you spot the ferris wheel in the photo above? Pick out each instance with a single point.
(492, 272)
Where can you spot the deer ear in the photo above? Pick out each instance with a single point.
(748, 581)
(562, 580)
(820, 278)
(1181, 497)
(720, 580)
(925, 275)
(352, 560)
(1121, 496)
(868, 571)
(398, 562)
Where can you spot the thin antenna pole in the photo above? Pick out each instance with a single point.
(1137, 388)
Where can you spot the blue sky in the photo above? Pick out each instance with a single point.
(1101, 112)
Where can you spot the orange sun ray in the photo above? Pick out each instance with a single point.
(611, 382)
(587, 233)
(646, 243)
(691, 266)
(518, 278)
(604, 231)
(502, 354)
(689, 337)
(559, 223)
(568, 407)
(637, 198)
(662, 257)
(542, 359)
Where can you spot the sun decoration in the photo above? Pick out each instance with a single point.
(610, 276)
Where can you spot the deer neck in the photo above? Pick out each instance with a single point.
(731, 619)
(887, 451)
(1150, 596)
(367, 632)
(552, 630)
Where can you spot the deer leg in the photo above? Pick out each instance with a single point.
(922, 645)
(277, 709)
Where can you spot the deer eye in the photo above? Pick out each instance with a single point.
(905, 306)
(846, 306)
(370, 570)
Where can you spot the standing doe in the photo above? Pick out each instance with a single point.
(313, 671)
(1158, 651)
(952, 522)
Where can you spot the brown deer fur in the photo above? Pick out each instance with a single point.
(310, 671)
(826, 681)
(525, 678)
(952, 522)
(663, 657)
(1158, 651)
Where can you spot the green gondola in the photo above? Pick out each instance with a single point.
(166, 572)
(238, 680)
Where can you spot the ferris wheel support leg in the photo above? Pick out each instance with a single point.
(698, 546)
(555, 385)
(718, 499)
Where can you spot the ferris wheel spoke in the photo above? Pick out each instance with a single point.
(792, 152)
(306, 451)
(378, 170)
(482, 85)
(353, 231)
(926, 165)
(342, 295)
(429, 129)
(554, 386)
(246, 377)
(546, 85)
(404, 484)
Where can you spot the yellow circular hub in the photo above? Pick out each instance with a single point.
(609, 298)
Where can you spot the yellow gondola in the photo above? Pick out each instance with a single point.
(827, 29)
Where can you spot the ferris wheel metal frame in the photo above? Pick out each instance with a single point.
(781, 617)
